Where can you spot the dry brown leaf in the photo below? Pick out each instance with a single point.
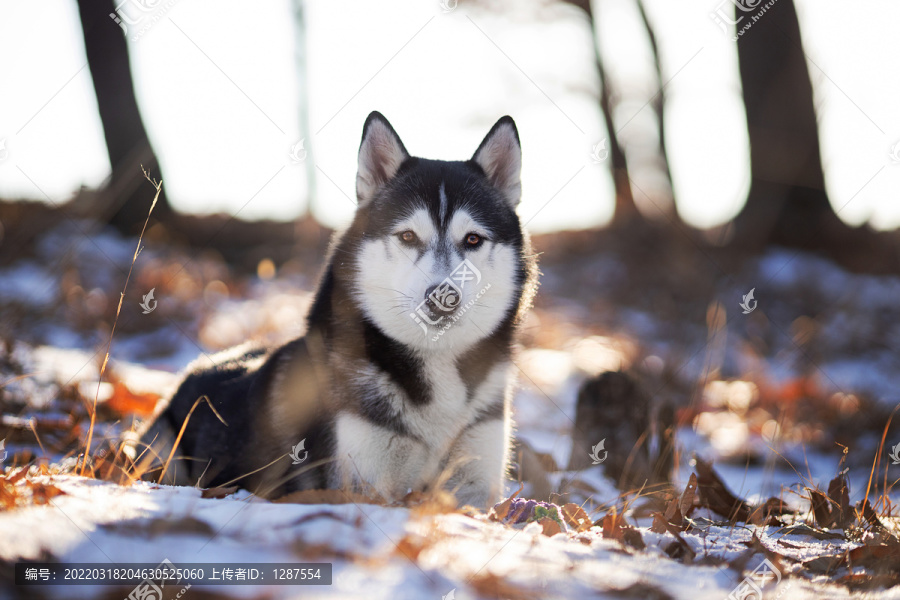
(821, 511)
(114, 467)
(610, 524)
(673, 512)
(659, 523)
(615, 528)
(499, 511)
(576, 517)
(856, 582)
(424, 504)
(824, 565)
(550, 526)
(323, 514)
(878, 557)
(839, 492)
(42, 493)
(804, 529)
(411, 546)
(633, 538)
(8, 495)
(677, 549)
(324, 552)
(160, 526)
(126, 402)
(687, 497)
(14, 477)
(870, 516)
(494, 586)
(768, 512)
(218, 492)
(716, 496)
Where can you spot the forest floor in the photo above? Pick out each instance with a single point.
(783, 472)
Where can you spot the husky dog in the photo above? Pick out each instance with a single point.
(403, 379)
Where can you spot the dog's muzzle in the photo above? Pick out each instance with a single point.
(443, 299)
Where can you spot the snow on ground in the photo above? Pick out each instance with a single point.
(101, 522)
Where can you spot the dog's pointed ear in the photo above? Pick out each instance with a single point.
(500, 157)
(380, 155)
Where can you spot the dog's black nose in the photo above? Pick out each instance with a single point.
(442, 299)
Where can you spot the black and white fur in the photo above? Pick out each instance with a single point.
(381, 404)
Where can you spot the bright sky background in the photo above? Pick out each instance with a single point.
(219, 87)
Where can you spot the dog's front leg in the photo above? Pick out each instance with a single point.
(479, 460)
(369, 455)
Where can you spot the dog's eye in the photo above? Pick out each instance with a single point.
(473, 240)
(408, 237)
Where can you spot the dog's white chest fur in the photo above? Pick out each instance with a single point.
(442, 431)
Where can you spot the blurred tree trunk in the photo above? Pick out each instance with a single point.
(625, 209)
(301, 54)
(127, 199)
(659, 102)
(787, 203)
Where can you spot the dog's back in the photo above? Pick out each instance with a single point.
(231, 429)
